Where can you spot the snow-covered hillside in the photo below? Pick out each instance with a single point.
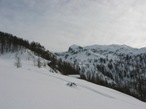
(116, 66)
(31, 87)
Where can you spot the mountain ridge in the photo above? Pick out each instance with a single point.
(116, 66)
(31, 87)
(111, 47)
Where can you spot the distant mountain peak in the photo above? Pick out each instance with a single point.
(75, 48)
(120, 49)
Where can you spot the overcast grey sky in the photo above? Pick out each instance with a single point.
(57, 24)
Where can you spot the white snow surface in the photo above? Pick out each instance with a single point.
(30, 87)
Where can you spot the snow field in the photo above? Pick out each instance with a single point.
(30, 87)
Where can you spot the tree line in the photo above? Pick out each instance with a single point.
(11, 43)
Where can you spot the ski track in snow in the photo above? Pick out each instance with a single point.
(97, 92)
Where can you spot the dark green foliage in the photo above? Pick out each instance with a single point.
(64, 67)
(10, 43)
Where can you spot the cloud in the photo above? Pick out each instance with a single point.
(58, 24)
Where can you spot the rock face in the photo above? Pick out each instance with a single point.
(75, 49)
(117, 66)
(71, 84)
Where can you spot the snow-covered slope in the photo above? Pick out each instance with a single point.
(30, 87)
(115, 66)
